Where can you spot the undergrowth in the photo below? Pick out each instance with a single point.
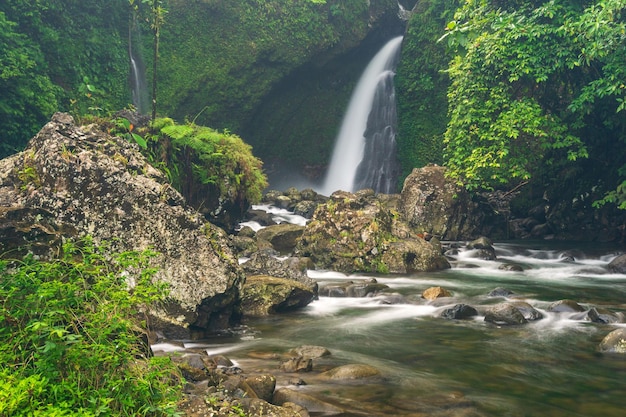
(71, 337)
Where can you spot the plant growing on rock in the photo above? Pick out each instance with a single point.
(208, 167)
(70, 337)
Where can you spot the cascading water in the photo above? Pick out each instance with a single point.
(368, 123)
(137, 73)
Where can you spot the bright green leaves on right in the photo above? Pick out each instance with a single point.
(525, 77)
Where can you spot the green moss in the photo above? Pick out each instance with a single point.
(422, 86)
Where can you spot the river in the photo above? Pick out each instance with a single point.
(431, 366)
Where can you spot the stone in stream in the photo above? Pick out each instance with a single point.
(618, 265)
(565, 306)
(433, 293)
(505, 314)
(500, 292)
(614, 342)
(459, 312)
(283, 396)
(263, 295)
(352, 372)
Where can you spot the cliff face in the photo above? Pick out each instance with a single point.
(279, 73)
(73, 181)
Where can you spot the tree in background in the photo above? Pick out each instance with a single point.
(536, 86)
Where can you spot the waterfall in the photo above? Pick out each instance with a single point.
(137, 72)
(371, 112)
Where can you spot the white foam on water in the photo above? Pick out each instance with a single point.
(167, 347)
(282, 215)
(256, 226)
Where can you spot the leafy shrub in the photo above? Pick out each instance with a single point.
(70, 337)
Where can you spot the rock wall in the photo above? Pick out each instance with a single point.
(73, 181)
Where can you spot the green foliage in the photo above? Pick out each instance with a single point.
(27, 95)
(225, 56)
(528, 84)
(124, 128)
(210, 167)
(66, 55)
(70, 337)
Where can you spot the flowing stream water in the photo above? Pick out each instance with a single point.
(431, 366)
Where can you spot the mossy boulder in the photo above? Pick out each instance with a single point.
(263, 295)
(363, 232)
(76, 181)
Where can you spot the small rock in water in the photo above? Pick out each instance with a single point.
(511, 267)
(459, 312)
(565, 306)
(505, 314)
(614, 342)
(433, 293)
(500, 292)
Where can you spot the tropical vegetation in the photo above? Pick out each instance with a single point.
(73, 336)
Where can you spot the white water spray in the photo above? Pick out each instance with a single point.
(350, 142)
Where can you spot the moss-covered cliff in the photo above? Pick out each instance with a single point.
(422, 85)
(277, 72)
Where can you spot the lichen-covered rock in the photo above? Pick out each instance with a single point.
(262, 263)
(263, 295)
(283, 237)
(73, 181)
(364, 232)
(435, 204)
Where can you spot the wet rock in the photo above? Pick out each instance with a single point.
(283, 396)
(312, 352)
(263, 295)
(283, 237)
(505, 314)
(599, 315)
(511, 267)
(481, 248)
(297, 364)
(362, 288)
(83, 182)
(618, 265)
(433, 293)
(459, 312)
(500, 292)
(351, 372)
(261, 217)
(565, 306)
(529, 312)
(262, 385)
(614, 342)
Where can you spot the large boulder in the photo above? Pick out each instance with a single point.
(363, 232)
(73, 182)
(434, 204)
